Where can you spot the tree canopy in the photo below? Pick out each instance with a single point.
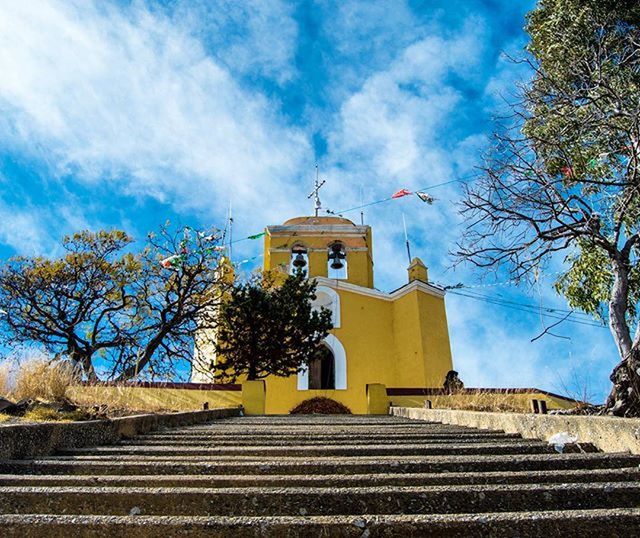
(563, 176)
(110, 308)
(267, 327)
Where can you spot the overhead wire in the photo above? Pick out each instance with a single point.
(549, 312)
(517, 303)
(465, 291)
(463, 179)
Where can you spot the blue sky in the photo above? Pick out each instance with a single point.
(125, 114)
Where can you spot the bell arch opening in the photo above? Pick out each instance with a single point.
(337, 261)
(299, 260)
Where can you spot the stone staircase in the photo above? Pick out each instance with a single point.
(359, 476)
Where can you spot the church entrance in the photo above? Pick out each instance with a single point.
(322, 370)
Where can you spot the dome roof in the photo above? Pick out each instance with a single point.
(317, 221)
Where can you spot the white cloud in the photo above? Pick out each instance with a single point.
(249, 37)
(23, 229)
(395, 120)
(126, 96)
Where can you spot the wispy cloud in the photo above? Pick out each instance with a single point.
(125, 96)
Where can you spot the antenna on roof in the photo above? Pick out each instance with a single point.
(230, 224)
(316, 192)
(406, 238)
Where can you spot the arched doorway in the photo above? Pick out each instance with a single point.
(322, 370)
(339, 365)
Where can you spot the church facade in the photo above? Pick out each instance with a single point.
(396, 339)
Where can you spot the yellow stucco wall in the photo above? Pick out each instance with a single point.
(400, 343)
(436, 348)
(154, 399)
(316, 234)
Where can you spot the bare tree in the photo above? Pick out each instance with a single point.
(563, 179)
(114, 310)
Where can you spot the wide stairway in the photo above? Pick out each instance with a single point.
(322, 476)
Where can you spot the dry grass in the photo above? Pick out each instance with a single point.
(43, 380)
(5, 379)
(482, 401)
(4, 418)
(119, 398)
(47, 414)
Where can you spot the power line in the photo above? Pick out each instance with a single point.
(548, 312)
(389, 198)
(517, 303)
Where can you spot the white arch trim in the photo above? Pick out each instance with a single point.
(340, 365)
(335, 303)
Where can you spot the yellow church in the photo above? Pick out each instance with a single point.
(379, 339)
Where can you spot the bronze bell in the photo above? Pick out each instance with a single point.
(299, 261)
(336, 257)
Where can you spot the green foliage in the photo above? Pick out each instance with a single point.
(564, 176)
(583, 106)
(103, 301)
(268, 329)
(587, 283)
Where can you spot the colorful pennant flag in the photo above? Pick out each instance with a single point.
(206, 237)
(256, 236)
(401, 193)
(425, 197)
(567, 171)
(171, 261)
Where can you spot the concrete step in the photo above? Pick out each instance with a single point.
(610, 523)
(185, 440)
(524, 447)
(304, 501)
(224, 427)
(408, 479)
(139, 465)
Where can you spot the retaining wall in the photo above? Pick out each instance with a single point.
(158, 396)
(609, 434)
(35, 440)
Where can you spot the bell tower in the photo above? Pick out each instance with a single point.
(332, 247)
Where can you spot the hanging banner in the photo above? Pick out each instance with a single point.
(401, 193)
(256, 236)
(427, 198)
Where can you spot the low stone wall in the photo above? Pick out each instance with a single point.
(36, 440)
(609, 434)
(158, 396)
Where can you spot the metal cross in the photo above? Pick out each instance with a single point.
(316, 192)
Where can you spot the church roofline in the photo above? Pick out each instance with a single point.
(313, 230)
(394, 295)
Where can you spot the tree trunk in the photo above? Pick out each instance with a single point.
(618, 306)
(89, 371)
(624, 399)
(142, 359)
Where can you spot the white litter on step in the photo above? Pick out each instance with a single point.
(560, 439)
(135, 511)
